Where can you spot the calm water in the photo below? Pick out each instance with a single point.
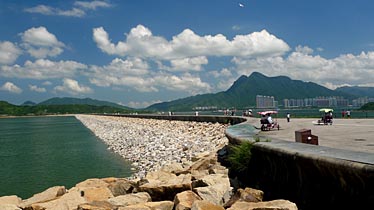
(39, 152)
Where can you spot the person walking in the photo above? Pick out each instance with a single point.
(288, 117)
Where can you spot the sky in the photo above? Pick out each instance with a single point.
(140, 52)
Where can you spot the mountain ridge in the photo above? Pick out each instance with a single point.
(244, 90)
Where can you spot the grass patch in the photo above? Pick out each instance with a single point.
(240, 155)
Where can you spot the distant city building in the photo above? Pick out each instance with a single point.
(265, 101)
(318, 102)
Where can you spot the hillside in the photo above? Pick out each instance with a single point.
(85, 101)
(14, 110)
(358, 91)
(243, 93)
(368, 106)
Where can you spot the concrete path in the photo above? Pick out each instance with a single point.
(347, 134)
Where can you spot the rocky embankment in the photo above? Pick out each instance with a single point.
(150, 143)
(190, 180)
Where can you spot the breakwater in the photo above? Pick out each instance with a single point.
(152, 143)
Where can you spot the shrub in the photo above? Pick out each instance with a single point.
(240, 155)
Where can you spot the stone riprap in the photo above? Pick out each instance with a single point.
(150, 144)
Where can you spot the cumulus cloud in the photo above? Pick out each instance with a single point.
(135, 104)
(40, 43)
(42, 69)
(342, 70)
(140, 42)
(193, 63)
(72, 87)
(8, 52)
(10, 87)
(132, 72)
(186, 83)
(35, 88)
(78, 11)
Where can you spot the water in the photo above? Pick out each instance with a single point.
(40, 152)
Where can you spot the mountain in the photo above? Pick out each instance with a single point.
(358, 91)
(244, 90)
(81, 101)
(28, 103)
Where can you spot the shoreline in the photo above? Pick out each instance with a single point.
(150, 144)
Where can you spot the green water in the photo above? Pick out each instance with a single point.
(40, 152)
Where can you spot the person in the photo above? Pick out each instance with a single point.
(288, 116)
(343, 113)
(270, 120)
(348, 114)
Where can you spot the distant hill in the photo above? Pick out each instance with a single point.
(81, 101)
(28, 103)
(358, 91)
(368, 106)
(14, 110)
(243, 93)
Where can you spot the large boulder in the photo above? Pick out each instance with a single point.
(97, 205)
(9, 207)
(130, 199)
(47, 195)
(247, 195)
(161, 205)
(184, 200)
(12, 199)
(165, 185)
(268, 205)
(205, 205)
(68, 201)
(120, 186)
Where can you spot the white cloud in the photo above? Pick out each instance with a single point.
(186, 83)
(73, 87)
(304, 50)
(35, 88)
(8, 52)
(92, 5)
(10, 87)
(135, 104)
(42, 69)
(78, 11)
(132, 72)
(140, 42)
(47, 83)
(193, 64)
(40, 43)
(344, 69)
(47, 10)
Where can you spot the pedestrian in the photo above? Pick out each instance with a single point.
(343, 112)
(288, 117)
(348, 114)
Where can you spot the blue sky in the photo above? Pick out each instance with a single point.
(140, 52)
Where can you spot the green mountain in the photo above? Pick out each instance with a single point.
(28, 103)
(14, 110)
(368, 106)
(81, 101)
(243, 93)
(358, 91)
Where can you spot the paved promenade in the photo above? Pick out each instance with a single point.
(347, 134)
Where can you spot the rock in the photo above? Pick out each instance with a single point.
(12, 199)
(268, 205)
(162, 205)
(92, 183)
(9, 207)
(47, 195)
(96, 194)
(130, 199)
(68, 201)
(247, 195)
(184, 200)
(97, 205)
(205, 205)
(164, 185)
(121, 186)
(218, 194)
